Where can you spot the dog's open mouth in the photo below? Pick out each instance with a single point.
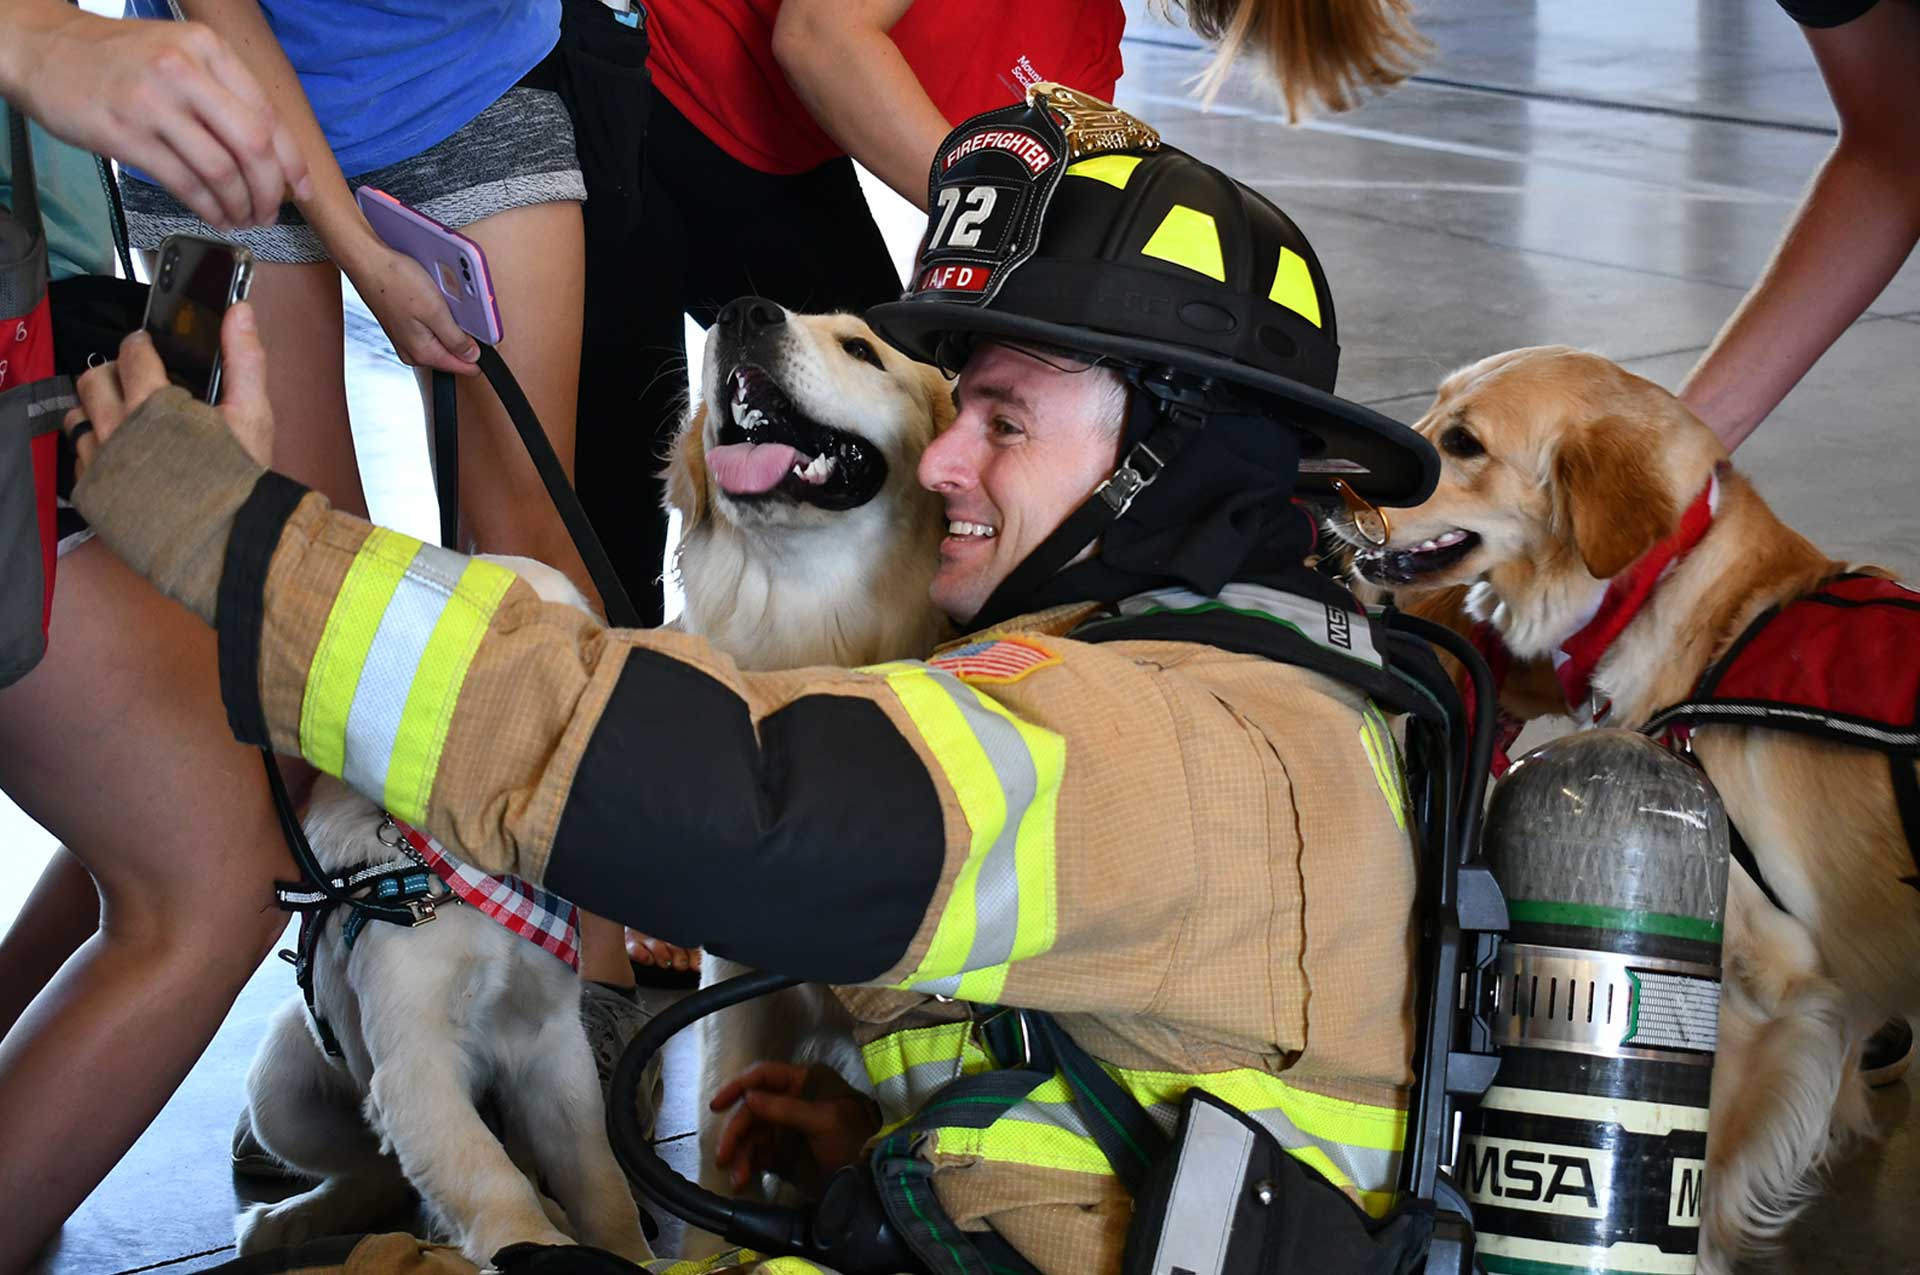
(1406, 566)
(768, 450)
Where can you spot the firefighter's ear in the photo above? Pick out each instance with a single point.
(1610, 498)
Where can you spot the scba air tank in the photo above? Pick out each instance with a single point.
(1589, 1151)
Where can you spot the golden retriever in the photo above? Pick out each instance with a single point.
(1559, 470)
(429, 1020)
(806, 538)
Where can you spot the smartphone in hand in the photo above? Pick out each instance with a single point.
(194, 282)
(454, 262)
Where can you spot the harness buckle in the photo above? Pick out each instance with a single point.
(422, 911)
(1134, 476)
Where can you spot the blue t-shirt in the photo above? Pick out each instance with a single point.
(389, 78)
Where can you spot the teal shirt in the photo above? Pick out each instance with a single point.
(72, 202)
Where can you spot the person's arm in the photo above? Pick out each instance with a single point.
(1856, 226)
(400, 294)
(879, 115)
(168, 98)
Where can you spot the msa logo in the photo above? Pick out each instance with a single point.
(1683, 1192)
(1339, 628)
(1540, 1177)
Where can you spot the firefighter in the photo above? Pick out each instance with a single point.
(1147, 794)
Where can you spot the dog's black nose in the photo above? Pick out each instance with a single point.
(750, 314)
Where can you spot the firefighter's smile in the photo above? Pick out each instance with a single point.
(768, 450)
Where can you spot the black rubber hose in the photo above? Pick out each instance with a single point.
(1485, 721)
(756, 1224)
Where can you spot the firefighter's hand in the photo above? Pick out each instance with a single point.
(112, 392)
(803, 1123)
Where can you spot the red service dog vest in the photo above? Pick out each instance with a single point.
(1841, 663)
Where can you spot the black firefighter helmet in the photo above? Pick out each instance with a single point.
(1066, 222)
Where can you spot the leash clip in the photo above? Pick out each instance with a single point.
(422, 911)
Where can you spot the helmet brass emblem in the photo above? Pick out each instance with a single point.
(1093, 127)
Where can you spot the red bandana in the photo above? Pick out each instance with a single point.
(1578, 656)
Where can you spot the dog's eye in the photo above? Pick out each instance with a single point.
(863, 350)
(1458, 441)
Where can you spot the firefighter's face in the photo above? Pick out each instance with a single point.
(1035, 434)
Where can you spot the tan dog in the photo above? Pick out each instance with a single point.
(1559, 471)
(805, 539)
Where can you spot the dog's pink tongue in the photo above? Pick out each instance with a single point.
(747, 469)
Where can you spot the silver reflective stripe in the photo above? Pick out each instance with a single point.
(1366, 1168)
(380, 696)
(996, 888)
(1338, 630)
(1206, 1186)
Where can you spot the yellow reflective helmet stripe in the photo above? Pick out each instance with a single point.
(1006, 775)
(1188, 237)
(1353, 1145)
(1115, 170)
(392, 657)
(1293, 287)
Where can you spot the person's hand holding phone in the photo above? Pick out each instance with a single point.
(112, 392)
(411, 310)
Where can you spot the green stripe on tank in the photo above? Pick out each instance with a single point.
(1528, 1266)
(1594, 917)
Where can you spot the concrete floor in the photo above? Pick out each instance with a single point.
(1610, 176)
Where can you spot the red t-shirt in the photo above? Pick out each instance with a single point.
(713, 59)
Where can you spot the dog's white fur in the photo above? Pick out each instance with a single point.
(776, 584)
(429, 1020)
(1585, 466)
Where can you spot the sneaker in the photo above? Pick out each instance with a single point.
(251, 1160)
(612, 1019)
(1888, 1052)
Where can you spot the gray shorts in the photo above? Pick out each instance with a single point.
(517, 152)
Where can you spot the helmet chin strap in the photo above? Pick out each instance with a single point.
(1164, 412)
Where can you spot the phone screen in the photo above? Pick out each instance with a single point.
(194, 282)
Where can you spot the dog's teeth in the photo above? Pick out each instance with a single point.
(1428, 544)
(739, 413)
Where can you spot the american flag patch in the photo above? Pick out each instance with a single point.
(997, 661)
(545, 920)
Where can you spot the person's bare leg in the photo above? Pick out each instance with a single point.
(62, 913)
(144, 782)
(298, 310)
(536, 256)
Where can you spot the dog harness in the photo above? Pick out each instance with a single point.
(1841, 663)
(419, 879)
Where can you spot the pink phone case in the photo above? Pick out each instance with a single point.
(451, 260)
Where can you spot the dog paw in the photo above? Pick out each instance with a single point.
(267, 1226)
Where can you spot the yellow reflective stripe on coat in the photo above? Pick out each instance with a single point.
(1006, 776)
(1353, 1145)
(1383, 752)
(390, 663)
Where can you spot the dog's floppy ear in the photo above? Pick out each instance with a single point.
(687, 470)
(1610, 493)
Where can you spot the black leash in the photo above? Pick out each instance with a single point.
(621, 612)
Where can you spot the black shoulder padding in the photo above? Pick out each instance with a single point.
(240, 606)
(813, 850)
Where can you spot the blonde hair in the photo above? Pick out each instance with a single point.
(1323, 53)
